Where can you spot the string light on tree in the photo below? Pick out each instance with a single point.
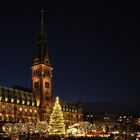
(57, 126)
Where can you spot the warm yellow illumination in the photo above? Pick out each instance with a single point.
(56, 123)
(37, 102)
(33, 103)
(12, 100)
(28, 102)
(6, 99)
(20, 109)
(23, 102)
(17, 101)
(25, 109)
(3, 106)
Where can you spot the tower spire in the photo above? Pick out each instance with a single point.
(42, 20)
(42, 15)
(42, 43)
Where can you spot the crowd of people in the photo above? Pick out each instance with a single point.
(58, 137)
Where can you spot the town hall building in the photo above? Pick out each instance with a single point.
(19, 104)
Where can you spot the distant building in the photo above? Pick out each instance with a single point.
(102, 116)
(23, 104)
(108, 119)
(125, 119)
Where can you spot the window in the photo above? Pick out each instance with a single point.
(33, 103)
(6, 99)
(3, 106)
(12, 100)
(23, 102)
(28, 102)
(18, 101)
(20, 109)
(25, 109)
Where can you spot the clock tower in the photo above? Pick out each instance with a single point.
(42, 70)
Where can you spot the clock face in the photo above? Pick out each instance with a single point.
(36, 84)
(46, 84)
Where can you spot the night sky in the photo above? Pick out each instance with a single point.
(94, 48)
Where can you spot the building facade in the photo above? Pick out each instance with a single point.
(36, 104)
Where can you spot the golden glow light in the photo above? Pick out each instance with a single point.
(56, 124)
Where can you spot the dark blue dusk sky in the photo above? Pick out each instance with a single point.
(94, 47)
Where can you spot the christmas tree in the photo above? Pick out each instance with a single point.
(57, 126)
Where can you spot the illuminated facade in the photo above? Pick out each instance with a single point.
(22, 104)
(17, 105)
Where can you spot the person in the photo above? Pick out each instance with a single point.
(14, 137)
(41, 137)
(27, 137)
